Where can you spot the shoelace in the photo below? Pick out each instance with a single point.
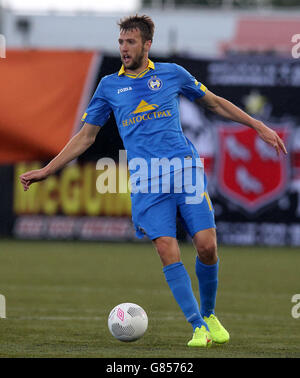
(215, 325)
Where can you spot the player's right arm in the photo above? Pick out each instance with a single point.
(79, 143)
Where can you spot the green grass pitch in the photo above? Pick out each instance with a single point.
(59, 295)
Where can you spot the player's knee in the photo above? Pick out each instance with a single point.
(207, 252)
(167, 249)
(164, 244)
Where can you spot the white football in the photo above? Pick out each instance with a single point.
(127, 322)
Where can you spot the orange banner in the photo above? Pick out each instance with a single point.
(41, 95)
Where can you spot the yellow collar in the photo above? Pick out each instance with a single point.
(123, 72)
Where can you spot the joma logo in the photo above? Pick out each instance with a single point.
(124, 89)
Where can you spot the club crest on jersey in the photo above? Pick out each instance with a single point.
(155, 83)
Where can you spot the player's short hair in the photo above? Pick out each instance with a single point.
(143, 23)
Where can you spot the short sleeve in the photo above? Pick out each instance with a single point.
(188, 85)
(98, 110)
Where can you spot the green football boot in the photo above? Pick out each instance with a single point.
(218, 333)
(201, 338)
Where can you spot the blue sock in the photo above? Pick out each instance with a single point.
(208, 284)
(180, 284)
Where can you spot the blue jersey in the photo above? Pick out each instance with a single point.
(146, 109)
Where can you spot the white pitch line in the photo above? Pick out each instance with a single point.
(87, 318)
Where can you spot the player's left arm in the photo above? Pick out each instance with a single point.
(227, 109)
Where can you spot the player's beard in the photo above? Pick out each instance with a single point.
(137, 62)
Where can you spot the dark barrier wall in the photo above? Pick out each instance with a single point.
(256, 195)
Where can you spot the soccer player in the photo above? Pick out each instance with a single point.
(144, 98)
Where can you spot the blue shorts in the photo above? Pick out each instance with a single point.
(155, 214)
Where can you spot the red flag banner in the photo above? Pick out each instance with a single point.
(41, 92)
